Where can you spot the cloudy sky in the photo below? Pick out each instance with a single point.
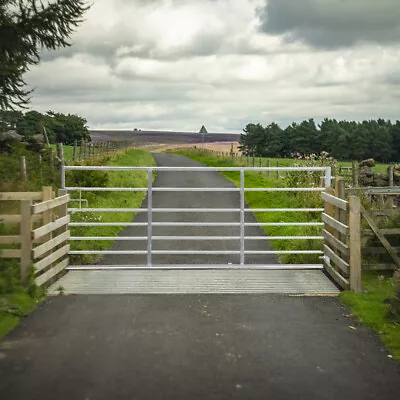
(179, 64)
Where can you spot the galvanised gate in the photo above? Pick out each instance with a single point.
(241, 238)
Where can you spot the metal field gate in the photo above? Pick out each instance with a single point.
(240, 225)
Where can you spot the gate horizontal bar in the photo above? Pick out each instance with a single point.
(188, 189)
(186, 169)
(284, 224)
(194, 209)
(155, 189)
(196, 224)
(155, 210)
(284, 189)
(194, 252)
(285, 209)
(131, 238)
(194, 266)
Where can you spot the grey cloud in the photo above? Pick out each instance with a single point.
(332, 23)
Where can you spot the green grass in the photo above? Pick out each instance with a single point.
(288, 162)
(274, 200)
(68, 151)
(111, 200)
(13, 307)
(370, 309)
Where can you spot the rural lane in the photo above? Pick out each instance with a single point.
(191, 200)
(197, 346)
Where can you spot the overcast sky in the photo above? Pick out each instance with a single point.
(179, 64)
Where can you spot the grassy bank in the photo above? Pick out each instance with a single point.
(370, 308)
(13, 307)
(274, 200)
(107, 199)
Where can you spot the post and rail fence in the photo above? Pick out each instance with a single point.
(41, 234)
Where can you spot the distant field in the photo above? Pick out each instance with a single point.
(145, 138)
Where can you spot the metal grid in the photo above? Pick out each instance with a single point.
(241, 210)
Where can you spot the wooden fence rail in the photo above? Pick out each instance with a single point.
(43, 234)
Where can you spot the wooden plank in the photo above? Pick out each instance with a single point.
(52, 226)
(10, 219)
(375, 190)
(21, 196)
(339, 279)
(342, 228)
(335, 201)
(378, 267)
(45, 247)
(26, 238)
(10, 253)
(355, 243)
(50, 204)
(381, 236)
(16, 218)
(385, 212)
(52, 272)
(385, 231)
(377, 250)
(343, 265)
(53, 257)
(335, 243)
(12, 239)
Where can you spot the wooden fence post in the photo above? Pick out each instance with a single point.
(84, 149)
(354, 172)
(355, 243)
(51, 159)
(23, 169)
(47, 215)
(40, 168)
(60, 152)
(26, 238)
(391, 184)
(268, 165)
(277, 172)
(74, 153)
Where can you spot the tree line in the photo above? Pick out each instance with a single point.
(60, 128)
(344, 140)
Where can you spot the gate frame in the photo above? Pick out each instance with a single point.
(327, 178)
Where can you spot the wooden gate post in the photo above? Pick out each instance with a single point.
(26, 238)
(355, 243)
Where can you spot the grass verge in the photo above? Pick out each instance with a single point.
(370, 308)
(107, 200)
(13, 307)
(274, 200)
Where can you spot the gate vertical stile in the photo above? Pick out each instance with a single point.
(241, 216)
(149, 216)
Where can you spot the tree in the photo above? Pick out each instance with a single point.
(26, 27)
(61, 128)
(9, 119)
(203, 129)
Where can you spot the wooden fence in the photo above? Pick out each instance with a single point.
(381, 209)
(347, 249)
(42, 239)
(342, 247)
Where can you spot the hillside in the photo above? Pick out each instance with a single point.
(143, 138)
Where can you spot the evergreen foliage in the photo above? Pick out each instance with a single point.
(27, 27)
(344, 140)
